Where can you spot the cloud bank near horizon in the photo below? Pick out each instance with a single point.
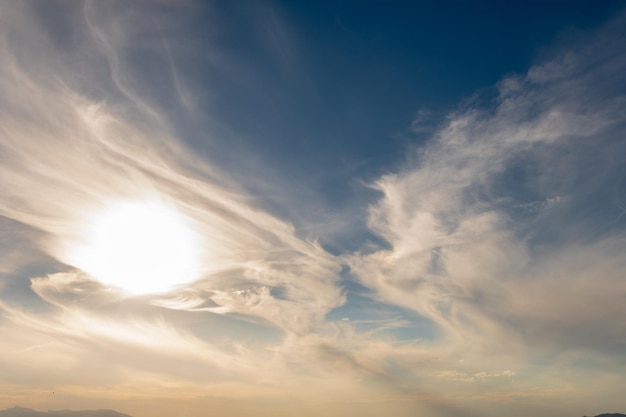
(498, 279)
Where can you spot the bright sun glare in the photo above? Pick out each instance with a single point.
(141, 248)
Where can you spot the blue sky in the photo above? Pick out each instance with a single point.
(268, 208)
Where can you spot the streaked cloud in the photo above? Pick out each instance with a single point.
(497, 229)
(490, 273)
(77, 139)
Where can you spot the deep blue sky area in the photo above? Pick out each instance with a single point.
(336, 84)
(324, 93)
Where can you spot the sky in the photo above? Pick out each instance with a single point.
(276, 208)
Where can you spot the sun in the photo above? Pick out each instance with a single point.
(141, 248)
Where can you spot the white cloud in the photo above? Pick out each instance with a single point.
(472, 377)
(77, 137)
(503, 228)
(500, 230)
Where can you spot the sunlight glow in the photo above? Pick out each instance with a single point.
(141, 248)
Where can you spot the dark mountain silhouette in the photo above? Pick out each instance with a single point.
(612, 415)
(27, 412)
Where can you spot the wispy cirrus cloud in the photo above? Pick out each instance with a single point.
(501, 238)
(506, 229)
(79, 136)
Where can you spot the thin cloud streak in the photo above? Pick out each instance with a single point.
(67, 156)
(493, 234)
(465, 250)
